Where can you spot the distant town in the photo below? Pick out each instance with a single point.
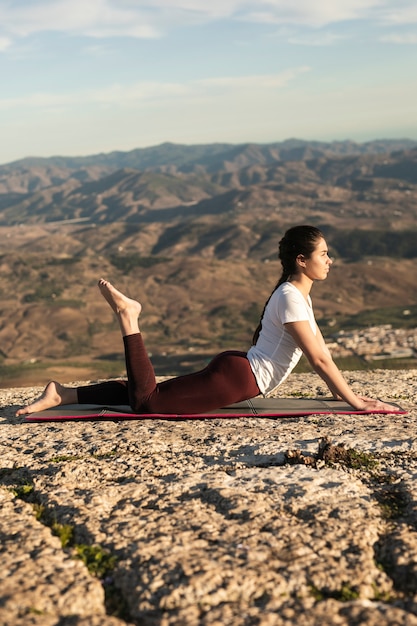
(375, 343)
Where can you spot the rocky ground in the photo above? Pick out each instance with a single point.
(215, 522)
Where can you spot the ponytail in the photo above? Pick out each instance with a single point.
(284, 277)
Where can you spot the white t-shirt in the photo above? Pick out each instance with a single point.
(276, 354)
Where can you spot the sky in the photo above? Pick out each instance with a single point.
(81, 77)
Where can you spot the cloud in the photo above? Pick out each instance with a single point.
(113, 94)
(263, 81)
(153, 18)
(316, 39)
(400, 38)
(314, 13)
(404, 12)
(95, 18)
(154, 92)
(5, 43)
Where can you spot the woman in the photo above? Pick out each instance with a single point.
(287, 329)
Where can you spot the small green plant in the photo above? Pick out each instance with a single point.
(40, 512)
(348, 457)
(346, 593)
(361, 460)
(22, 491)
(316, 593)
(106, 455)
(65, 532)
(381, 596)
(60, 458)
(34, 611)
(98, 561)
(393, 501)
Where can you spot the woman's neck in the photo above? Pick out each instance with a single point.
(302, 282)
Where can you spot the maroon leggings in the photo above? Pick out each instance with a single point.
(228, 378)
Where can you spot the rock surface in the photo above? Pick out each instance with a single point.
(212, 522)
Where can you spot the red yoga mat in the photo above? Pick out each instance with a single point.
(258, 407)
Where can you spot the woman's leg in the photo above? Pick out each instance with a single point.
(227, 379)
(141, 381)
(106, 393)
(112, 392)
(119, 392)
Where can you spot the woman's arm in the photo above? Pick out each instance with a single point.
(320, 339)
(325, 349)
(321, 361)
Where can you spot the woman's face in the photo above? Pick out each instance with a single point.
(317, 266)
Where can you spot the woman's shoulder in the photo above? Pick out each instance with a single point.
(286, 289)
(282, 295)
(287, 294)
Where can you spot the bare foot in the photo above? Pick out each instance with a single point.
(117, 300)
(126, 309)
(54, 394)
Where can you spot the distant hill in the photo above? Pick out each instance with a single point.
(214, 157)
(330, 189)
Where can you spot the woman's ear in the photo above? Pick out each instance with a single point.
(301, 261)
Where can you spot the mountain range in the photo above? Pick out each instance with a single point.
(195, 230)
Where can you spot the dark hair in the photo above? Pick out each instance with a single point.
(297, 240)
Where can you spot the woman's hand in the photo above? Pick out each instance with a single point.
(369, 404)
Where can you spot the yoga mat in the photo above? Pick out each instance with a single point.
(258, 407)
